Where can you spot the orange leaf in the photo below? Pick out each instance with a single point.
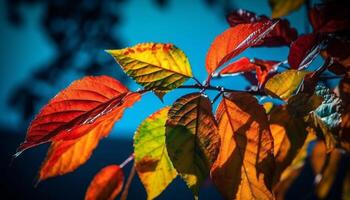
(344, 133)
(234, 41)
(244, 167)
(75, 111)
(66, 155)
(106, 184)
(264, 67)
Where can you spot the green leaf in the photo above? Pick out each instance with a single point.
(285, 84)
(158, 67)
(151, 157)
(192, 138)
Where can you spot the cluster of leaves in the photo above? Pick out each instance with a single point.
(248, 150)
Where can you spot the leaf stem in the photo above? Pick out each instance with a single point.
(126, 161)
(128, 183)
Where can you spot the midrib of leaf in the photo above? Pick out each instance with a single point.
(239, 149)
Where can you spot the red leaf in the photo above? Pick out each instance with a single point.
(106, 184)
(76, 110)
(241, 65)
(234, 41)
(330, 17)
(262, 68)
(304, 50)
(282, 34)
(67, 155)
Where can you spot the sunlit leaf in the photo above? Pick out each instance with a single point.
(76, 110)
(67, 155)
(293, 170)
(157, 67)
(281, 8)
(325, 167)
(234, 41)
(264, 68)
(285, 84)
(282, 34)
(245, 164)
(107, 184)
(241, 65)
(192, 138)
(289, 134)
(304, 50)
(151, 157)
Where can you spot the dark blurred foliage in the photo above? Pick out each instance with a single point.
(79, 30)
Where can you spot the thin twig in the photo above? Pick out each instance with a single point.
(128, 183)
(197, 81)
(219, 88)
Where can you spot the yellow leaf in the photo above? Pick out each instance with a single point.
(157, 67)
(153, 164)
(281, 8)
(285, 84)
(244, 167)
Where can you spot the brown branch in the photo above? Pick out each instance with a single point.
(128, 183)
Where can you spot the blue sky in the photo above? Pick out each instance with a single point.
(190, 25)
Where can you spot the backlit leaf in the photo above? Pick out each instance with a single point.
(76, 110)
(330, 17)
(244, 167)
(192, 138)
(304, 50)
(285, 84)
(241, 65)
(107, 184)
(289, 134)
(67, 155)
(153, 164)
(158, 67)
(344, 133)
(325, 167)
(281, 8)
(282, 34)
(234, 41)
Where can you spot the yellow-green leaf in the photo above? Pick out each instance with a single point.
(245, 164)
(285, 84)
(158, 67)
(281, 8)
(151, 157)
(192, 138)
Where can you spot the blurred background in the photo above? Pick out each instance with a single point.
(45, 45)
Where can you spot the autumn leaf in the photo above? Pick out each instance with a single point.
(289, 134)
(67, 155)
(106, 184)
(241, 65)
(76, 110)
(282, 34)
(294, 169)
(244, 167)
(192, 139)
(234, 41)
(158, 67)
(344, 132)
(325, 167)
(285, 84)
(264, 68)
(281, 8)
(332, 16)
(304, 50)
(153, 164)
